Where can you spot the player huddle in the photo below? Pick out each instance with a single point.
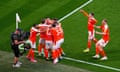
(100, 44)
(51, 37)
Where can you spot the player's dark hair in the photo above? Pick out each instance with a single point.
(92, 13)
(46, 17)
(43, 21)
(55, 19)
(53, 25)
(18, 29)
(105, 20)
(56, 22)
(34, 25)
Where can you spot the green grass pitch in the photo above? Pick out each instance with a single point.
(75, 27)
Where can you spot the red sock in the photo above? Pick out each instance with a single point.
(95, 40)
(46, 53)
(97, 50)
(29, 53)
(103, 53)
(89, 44)
(58, 52)
(43, 46)
(32, 54)
(54, 55)
(39, 48)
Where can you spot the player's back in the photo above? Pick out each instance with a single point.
(48, 35)
(60, 31)
(55, 34)
(42, 28)
(33, 33)
(91, 22)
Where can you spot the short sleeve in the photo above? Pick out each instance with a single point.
(15, 37)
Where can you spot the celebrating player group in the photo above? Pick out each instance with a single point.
(100, 44)
(51, 37)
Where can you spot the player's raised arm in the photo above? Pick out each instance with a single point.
(85, 13)
(96, 21)
(100, 33)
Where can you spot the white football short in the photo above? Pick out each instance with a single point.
(102, 43)
(91, 34)
(32, 44)
(41, 40)
(58, 44)
(48, 44)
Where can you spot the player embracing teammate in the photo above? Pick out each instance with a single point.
(32, 40)
(103, 41)
(51, 38)
(58, 39)
(100, 44)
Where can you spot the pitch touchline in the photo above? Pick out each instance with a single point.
(90, 63)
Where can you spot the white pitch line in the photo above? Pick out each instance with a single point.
(75, 10)
(90, 63)
(85, 62)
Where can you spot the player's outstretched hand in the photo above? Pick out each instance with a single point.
(81, 11)
(96, 32)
